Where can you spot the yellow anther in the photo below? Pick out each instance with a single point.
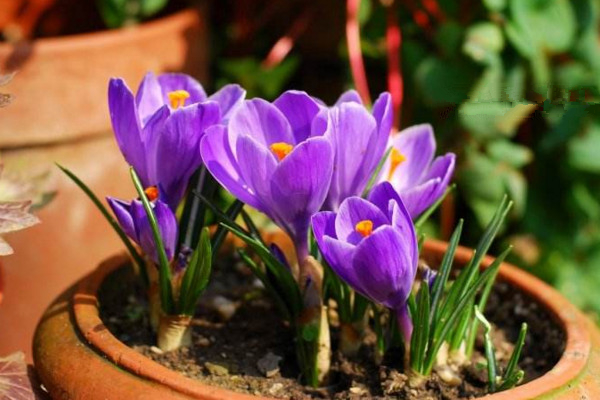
(364, 227)
(151, 193)
(178, 98)
(281, 149)
(396, 158)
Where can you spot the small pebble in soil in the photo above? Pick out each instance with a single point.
(269, 364)
(156, 350)
(203, 342)
(224, 307)
(276, 388)
(216, 369)
(448, 375)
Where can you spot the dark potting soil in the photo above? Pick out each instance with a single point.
(239, 352)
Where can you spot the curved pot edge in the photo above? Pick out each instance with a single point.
(565, 373)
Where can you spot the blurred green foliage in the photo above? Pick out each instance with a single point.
(511, 86)
(118, 13)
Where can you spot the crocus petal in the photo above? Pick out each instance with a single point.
(339, 256)
(352, 131)
(176, 81)
(219, 160)
(323, 223)
(151, 134)
(384, 115)
(383, 270)
(125, 124)
(229, 97)
(300, 109)
(122, 211)
(443, 168)
(402, 221)
(256, 165)
(381, 194)
(353, 211)
(349, 96)
(418, 198)
(417, 144)
(149, 97)
(167, 224)
(178, 147)
(261, 120)
(300, 182)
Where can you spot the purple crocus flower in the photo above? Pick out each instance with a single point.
(359, 139)
(371, 244)
(413, 172)
(133, 220)
(270, 158)
(159, 130)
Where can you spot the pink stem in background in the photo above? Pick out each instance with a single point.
(357, 65)
(434, 9)
(285, 44)
(395, 81)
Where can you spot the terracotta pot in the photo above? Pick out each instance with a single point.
(77, 357)
(61, 84)
(60, 114)
(1, 284)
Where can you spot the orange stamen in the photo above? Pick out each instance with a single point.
(177, 98)
(364, 227)
(396, 158)
(151, 193)
(281, 149)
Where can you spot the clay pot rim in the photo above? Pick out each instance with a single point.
(571, 364)
(174, 21)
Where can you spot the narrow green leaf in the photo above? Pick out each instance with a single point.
(485, 294)
(232, 212)
(200, 266)
(439, 284)
(514, 358)
(164, 270)
(219, 214)
(420, 336)
(252, 228)
(490, 353)
(137, 258)
(447, 326)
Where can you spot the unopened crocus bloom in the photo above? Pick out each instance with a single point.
(270, 158)
(359, 139)
(412, 170)
(371, 244)
(159, 129)
(133, 220)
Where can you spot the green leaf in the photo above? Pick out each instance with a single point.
(549, 24)
(113, 12)
(196, 275)
(448, 38)
(490, 353)
(483, 42)
(584, 151)
(443, 83)
(420, 335)
(514, 358)
(495, 5)
(487, 120)
(515, 83)
(150, 7)
(511, 153)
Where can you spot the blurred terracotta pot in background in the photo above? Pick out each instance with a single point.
(60, 114)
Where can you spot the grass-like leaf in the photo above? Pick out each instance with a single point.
(283, 276)
(196, 275)
(420, 337)
(490, 353)
(232, 212)
(511, 367)
(375, 174)
(164, 269)
(137, 258)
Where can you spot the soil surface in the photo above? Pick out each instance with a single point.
(241, 344)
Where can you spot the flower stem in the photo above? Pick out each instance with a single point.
(355, 52)
(174, 331)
